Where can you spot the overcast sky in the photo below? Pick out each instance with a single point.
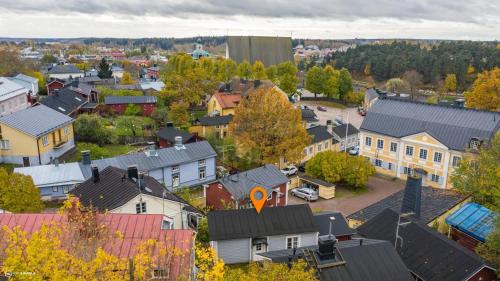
(440, 19)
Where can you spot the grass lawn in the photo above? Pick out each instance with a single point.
(9, 167)
(330, 104)
(97, 152)
(197, 114)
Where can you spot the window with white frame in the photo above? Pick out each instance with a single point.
(175, 169)
(55, 189)
(292, 242)
(378, 162)
(435, 178)
(66, 130)
(389, 165)
(45, 140)
(4, 144)
(394, 147)
(437, 157)
(202, 163)
(380, 144)
(319, 147)
(140, 208)
(455, 161)
(258, 247)
(66, 189)
(202, 174)
(368, 141)
(423, 154)
(326, 145)
(409, 150)
(407, 170)
(175, 180)
(167, 223)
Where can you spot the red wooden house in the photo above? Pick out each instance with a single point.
(55, 84)
(234, 190)
(120, 103)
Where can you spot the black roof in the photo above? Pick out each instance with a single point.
(169, 134)
(247, 223)
(214, 120)
(434, 202)
(64, 100)
(319, 134)
(340, 130)
(428, 254)
(308, 115)
(339, 224)
(114, 189)
(129, 99)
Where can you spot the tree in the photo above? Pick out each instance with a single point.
(19, 193)
(160, 116)
(288, 83)
(332, 83)
(127, 79)
(485, 92)
(227, 70)
(345, 83)
(245, 69)
(48, 58)
(297, 271)
(450, 83)
(41, 81)
(179, 114)
(269, 126)
(210, 267)
(490, 250)
(395, 85)
(259, 71)
(315, 80)
(479, 175)
(11, 63)
(414, 81)
(133, 110)
(190, 87)
(90, 128)
(272, 73)
(104, 70)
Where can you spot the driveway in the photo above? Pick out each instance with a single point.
(332, 112)
(347, 202)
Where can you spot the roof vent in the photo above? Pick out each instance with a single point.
(95, 174)
(86, 157)
(178, 143)
(151, 149)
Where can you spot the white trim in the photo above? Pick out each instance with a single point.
(292, 236)
(410, 140)
(446, 168)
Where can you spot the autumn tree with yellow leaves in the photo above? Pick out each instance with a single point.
(18, 193)
(269, 128)
(485, 92)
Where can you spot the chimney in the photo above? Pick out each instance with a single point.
(178, 143)
(326, 247)
(459, 103)
(413, 193)
(86, 157)
(227, 88)
(152, 149)
(256, 83)
(56, 162)
(140, 181)
(329, 126)
(170, 125)
(132, 172)
(95, 174)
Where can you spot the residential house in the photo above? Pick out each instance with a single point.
(54, 180)
(399, 136)
(91, 79)
(55, 84)
(349, 260)
(223, 104)
(428, 254)
(321, 140)
(28, 82)
(333, 223)
(234, 190)
(35, 136)
(153, 73)
(119, 104)
(371, 96)
(167, 136)
(13, 97)
(114, 190)
(269, 50)
(212, 125)
(309, 118)
(471, 224)
(117, 71)
(345, 133)
(65, 101)
(64, 71)
(151, 86)
(434, 204)
(184, 165)
(125, 246)
(239, 236)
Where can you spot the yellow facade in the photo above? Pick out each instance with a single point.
(315, 148)
(393, 156)
(221, 131)
(214, 105)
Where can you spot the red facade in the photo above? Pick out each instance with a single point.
(218, 197)
(54, 85)
(463, 239)
(146, 108)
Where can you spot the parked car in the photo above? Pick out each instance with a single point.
(354, 151)
(321, 108)
(362, 112)
(302, 168)
(305, 193)
(339, 120)
(289, 171)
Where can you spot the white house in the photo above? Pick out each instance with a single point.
(65, 71)
(28, 82)
(13, 97)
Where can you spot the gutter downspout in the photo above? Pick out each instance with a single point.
(38, 148)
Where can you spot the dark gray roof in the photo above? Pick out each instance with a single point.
(36, 121)
(169, 134)
(435, 202)
(308, 115)
(65, 101)
(453, 127)
(214, 120)
(166, 157)
(114, 189)
(371, 94)
(319, 134)
(269, 50)
(305, 177)
(240, 184)
(339, 224)
(426, 253)
(129, 99)
(64, 69)
(340, 130)
(90, 79)
(247, 223)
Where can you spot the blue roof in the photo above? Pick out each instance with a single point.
(473, 219)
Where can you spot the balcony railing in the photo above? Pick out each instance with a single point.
(59, 143)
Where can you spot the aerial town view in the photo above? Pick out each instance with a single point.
(204, 140)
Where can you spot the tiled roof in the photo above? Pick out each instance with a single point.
(474, 220)
(240, 184)
(36, 121)
(341, 130)
(64, 69)
(247, 223)
(453, 127)
(427, 253)
(227, 100)
(50, 175)
(434, 202)
(129, 99)
(214, 120)
(135, 229)
(319, 134)
(114, 189)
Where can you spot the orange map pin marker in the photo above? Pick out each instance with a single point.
(258, 195)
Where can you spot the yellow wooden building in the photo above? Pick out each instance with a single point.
(35, 136)
(212, 125)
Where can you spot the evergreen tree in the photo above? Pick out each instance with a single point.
(104, 70)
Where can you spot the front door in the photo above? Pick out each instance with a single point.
(258, 248)
(26, 161)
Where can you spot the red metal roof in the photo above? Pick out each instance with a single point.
(135, 228)
(228, 100)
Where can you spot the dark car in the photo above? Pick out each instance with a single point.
(321, 108)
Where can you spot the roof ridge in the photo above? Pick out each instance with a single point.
(436, 105)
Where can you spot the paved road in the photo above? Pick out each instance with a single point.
(332, 113)
(378, 189)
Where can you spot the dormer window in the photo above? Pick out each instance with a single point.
(474, 143)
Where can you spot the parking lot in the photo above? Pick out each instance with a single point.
(332, 112)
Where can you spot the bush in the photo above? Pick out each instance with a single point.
(160, 116)
(91, 128)
(133, 110)
(355, 97)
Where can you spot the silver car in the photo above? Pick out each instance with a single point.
(305, 193)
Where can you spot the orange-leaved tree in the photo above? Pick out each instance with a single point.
(485, 92)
